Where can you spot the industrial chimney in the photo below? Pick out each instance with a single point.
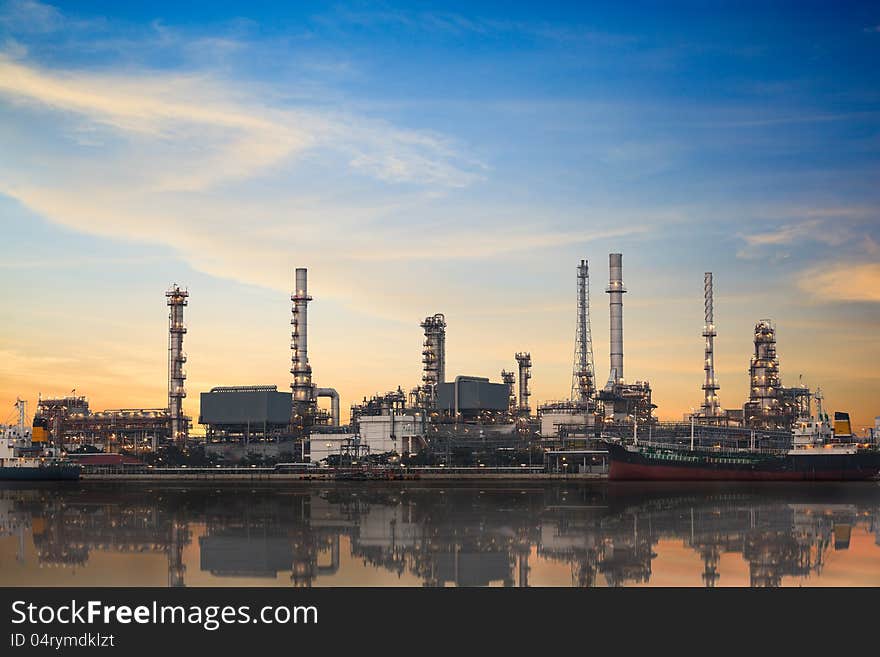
(616, 291)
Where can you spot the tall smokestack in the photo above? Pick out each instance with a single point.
(616, 291)
(303, 392)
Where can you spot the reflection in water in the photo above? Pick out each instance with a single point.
(602, 534)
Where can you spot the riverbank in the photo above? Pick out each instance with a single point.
(330, 477)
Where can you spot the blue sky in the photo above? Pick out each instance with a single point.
(421, 158)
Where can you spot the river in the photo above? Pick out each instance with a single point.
(419, 534)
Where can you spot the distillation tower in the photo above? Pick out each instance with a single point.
(583, 379)
(509, 379)
(433, 358)
(524, 363)
(763, 405)
(710, 408)
(301, 386)
(177, 301)
(771, 405)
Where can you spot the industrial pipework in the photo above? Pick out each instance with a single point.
(177, 300)
(710, 385)
(433, 357)
(616, 291)
(524, 361)
(303, 392)
(334, 403)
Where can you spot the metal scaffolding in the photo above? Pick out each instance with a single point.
(55, 411)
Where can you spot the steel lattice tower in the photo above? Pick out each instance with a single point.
(710, 385)
(583, 381)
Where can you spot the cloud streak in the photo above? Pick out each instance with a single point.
(858, 282)
(242, 137)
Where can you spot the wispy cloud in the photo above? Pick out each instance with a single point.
(228, 135)
(483, 244)
(837, 227)
(844, 282)
(787, 234)
(453, 24)
(202, 161)
(28, 16)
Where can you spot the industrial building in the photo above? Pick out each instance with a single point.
(70, 423)
(473, 397)
(436, 415)
(245, 413)
(380, 425)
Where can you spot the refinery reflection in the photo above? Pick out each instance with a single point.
(603, 535)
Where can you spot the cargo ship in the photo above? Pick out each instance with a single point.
(24, 457)
(815, 454)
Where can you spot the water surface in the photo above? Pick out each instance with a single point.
(416, 534)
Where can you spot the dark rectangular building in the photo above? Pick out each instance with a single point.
(254, 406)
(475, 394)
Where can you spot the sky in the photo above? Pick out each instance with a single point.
(436, 157)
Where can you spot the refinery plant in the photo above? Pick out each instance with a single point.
(446, 419)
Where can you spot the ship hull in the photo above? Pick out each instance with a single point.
(635, 465)
(46, 473)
